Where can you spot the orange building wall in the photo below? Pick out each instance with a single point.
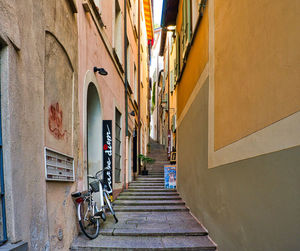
(197, 59)
(257, 66)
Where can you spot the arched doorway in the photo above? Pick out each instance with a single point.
(94, 131)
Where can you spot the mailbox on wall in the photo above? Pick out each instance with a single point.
(58, 166)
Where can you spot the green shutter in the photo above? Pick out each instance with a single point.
(172, 81)
(177, 55)
(188, 21)
(183, 22)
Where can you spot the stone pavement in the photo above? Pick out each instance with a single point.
(150, 218)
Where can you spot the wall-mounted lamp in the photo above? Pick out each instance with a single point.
(132, 113)
(101, 71)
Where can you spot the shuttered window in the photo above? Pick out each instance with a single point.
(172, 81)
(186, 28)
(118, 123)
(177, 64)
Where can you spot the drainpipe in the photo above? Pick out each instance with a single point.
(156, 94)
(139, 84)
(169, 131)
(126, 98)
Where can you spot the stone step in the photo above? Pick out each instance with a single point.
(143, 177)
(170, 208)
(147, 182)
(109, 243)
(151, 197)
(154, 174)
(148, 202)
(154, 194)
(150, 190)
(147, 186)
(157, 227)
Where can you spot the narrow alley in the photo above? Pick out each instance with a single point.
(149, 125)
(150, 217)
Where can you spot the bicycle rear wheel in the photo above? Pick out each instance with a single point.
(107, 201)
(89, 225)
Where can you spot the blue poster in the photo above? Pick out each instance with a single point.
(170, 176)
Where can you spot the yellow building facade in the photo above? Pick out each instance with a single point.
(237, 128)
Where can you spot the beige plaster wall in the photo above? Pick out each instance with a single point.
(61, 87)
(246, 205)
(34, 212)
(257, 67)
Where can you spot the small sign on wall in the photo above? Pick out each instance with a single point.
(170, 176)
(107, 154)
(58, 166)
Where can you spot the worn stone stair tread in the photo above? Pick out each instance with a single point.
(150, 208)
(148, 202)
(138, 197)
(156, 176)
(146, 187)
(148, 178)
(153, 230)
(199, 243)
(150, 190)
(148, 193)
(159, 232)
(147, 181)
(147, 184)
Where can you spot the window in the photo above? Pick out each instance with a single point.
(128, 62)
(177, 63)
(118, 123)
(195, 12)
(186, 29)
(172, 81)
(163, 81)
(118, 31)
(135, 83)
(134, 14)
(98, 5)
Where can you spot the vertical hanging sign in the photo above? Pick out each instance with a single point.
(107, 154)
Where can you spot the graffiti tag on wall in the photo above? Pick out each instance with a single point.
(55, 121)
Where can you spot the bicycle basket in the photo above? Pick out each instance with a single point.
(95, 186)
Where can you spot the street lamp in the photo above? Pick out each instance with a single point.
(101, 71)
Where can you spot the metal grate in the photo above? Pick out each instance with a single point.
(58, 167)
(118, 144)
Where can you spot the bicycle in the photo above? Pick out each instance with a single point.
(87, 211)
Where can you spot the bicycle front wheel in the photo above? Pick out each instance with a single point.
(89, 225)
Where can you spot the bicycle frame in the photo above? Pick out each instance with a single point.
(101, 196)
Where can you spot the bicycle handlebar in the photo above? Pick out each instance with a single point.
(96, 175)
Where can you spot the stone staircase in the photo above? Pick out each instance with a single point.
(150, 217)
